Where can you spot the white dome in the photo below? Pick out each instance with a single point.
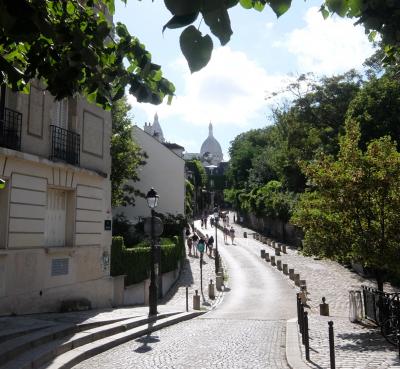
(211, 151)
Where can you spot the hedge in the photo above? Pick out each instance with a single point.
(135, 262)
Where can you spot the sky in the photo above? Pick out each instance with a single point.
(263, 55)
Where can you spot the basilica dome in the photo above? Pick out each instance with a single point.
(211, 152)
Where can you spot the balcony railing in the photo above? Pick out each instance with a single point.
(10, 129)
(65, 145)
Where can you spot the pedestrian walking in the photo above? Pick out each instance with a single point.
(201, 245)
(210, 245)
(201, 222)
(226, 232)
(205, 221)
(190, 244)
(232, 234)
(212, 222)
(195, 240)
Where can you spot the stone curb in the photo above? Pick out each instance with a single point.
(77, 355)
(293, 351)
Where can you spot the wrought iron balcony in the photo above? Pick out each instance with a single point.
(65, 145)
(10, 129)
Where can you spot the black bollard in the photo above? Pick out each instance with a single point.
(307, 337)
(187, 298)
(331, 345)
(298, 308)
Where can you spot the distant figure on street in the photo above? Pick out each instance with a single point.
(195, 240)
(232, 234)
(205, 221)
(190, 244)
(210, 245)
(225, 232)
(212, 222)
(201, 245)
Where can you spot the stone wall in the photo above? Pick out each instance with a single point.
(284, 232)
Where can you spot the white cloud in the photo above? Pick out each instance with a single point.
(269, 25)
(327, 46)
(231, 89)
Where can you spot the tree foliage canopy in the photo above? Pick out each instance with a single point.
(73, 48)
(126, 157)
(351, 210)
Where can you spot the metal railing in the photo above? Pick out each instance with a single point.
(65, 145)
(383, 309)
(10, 129)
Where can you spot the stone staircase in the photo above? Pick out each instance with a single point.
(63, 345)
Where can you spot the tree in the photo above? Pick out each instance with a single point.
(126, 157)
(70, 44)
(376, 107)
(351, 210)
(73, 48)
(244, 148)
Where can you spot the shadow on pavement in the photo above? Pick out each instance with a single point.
(186, 279)
(145, 340)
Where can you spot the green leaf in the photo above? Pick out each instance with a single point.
(247, 4)
(324, 11)
(259, 6)
(196, 48)
(178, 21)
(219, 23)
(372, 35)
(70, 8)
(339, 7)
(280, 6)
(183, 7)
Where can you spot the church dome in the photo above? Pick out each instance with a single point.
(211, 151)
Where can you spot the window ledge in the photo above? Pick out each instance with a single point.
(70, 251)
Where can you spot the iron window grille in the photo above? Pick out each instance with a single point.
(65, 145)
(10, 129)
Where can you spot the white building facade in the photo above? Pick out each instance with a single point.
(55, 211)
(164, 171)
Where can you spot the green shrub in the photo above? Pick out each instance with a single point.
(135, 262)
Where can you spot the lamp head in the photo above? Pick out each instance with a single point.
(152, 198)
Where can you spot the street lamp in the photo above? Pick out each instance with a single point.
(152, 201)
(216, 219)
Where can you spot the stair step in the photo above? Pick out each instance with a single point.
(84, 352)
(34, 350)
(11, 348)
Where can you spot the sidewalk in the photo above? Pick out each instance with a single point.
(18, 334)
(357, 346)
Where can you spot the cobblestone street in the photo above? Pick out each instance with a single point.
(247, 330)
(357, 346)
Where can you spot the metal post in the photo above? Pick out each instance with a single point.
(307, 337)
(331, 345)
(187, 298)
(201, 274)
(216, 245)
(303, 331)
(298, 309)
(153, 285)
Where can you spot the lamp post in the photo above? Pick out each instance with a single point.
(216, 219)
(152, 201)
